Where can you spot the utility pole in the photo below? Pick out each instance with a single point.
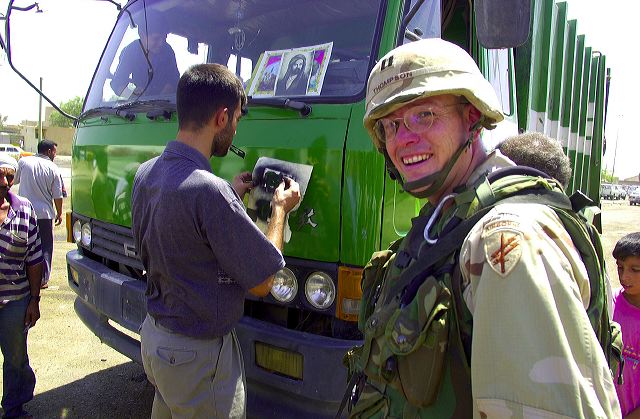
(40, 114)
(615, 152)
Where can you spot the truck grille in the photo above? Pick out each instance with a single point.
(115, 243)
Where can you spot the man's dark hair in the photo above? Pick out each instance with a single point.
(46, 145)
(202, 90)
(534, 149)
(628, 245)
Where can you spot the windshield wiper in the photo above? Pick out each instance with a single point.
(107, 110)
(156, 108)
(285, 103)
(148, 104)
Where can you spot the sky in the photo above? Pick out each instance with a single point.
(64, 43)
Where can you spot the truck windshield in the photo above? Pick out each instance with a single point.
(329, 43)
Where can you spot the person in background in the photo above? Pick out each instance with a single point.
(627, 313)
(41, 183)
(536, 150)
(148, 64)
(202, 253)
(21, 260)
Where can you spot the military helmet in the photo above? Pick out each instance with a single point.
(425, 68)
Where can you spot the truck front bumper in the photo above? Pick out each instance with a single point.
(105, 295)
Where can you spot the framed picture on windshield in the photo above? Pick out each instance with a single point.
(291, 72)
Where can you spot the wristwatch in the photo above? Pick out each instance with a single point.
(35, 297)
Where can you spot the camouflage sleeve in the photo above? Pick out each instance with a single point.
(534, 353)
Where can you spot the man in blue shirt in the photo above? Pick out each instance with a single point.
(202, 253)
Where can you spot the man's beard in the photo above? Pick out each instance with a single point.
(222, 141)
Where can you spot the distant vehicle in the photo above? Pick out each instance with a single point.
(14, 151)
(634, 196)
(620, 192)
(607, 191)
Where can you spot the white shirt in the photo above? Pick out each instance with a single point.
(40, 182)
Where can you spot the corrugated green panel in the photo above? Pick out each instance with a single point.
(582, 125)
(591, 111)
(540, 52)
(567, 84)
(575, 111)
(522, 64)
(595, 173)
(557, 63)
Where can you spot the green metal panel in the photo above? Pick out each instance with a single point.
(317, 140)
(595, 173)
(555, 81)
(362, 194)
(588, 139)
(567, 84)
(579, 182)
(542, 39)
(575, 110)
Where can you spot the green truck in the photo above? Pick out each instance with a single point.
(547, 78)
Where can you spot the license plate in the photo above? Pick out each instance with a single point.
(278, 360)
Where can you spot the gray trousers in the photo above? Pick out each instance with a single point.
(193, 378)
(45, 228)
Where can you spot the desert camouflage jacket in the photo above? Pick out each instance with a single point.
(534, 352)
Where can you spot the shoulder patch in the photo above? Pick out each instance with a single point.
(502, 243)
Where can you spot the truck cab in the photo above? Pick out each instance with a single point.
(293, 340)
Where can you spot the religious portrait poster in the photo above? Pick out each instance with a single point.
(291, 72)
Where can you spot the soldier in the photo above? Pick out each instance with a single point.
(486, 324)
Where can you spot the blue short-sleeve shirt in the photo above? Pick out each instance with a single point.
(201, 251)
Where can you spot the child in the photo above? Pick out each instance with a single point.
(627, 313)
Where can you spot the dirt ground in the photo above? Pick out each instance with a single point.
(79, 377)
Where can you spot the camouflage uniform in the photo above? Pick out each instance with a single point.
(511, 297)
(520, 270)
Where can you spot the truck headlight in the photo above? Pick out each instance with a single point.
(285, 286)
(320, 290)
(77, 231)
(86, 234)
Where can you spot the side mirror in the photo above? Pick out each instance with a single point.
(502, 23)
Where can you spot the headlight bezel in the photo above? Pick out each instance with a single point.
(327, 281)
(77, 231)
(293, 294)
(86, 235)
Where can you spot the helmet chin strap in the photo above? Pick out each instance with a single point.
(434, 181)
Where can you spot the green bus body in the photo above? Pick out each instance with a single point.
(293, 351)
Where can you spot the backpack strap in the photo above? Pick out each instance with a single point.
(429, 257)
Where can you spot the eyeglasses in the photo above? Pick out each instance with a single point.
(417, 120)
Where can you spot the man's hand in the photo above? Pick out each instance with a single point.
(33, 313)
(58, 219)
(242, 184)
(286, 195)
(285, 198)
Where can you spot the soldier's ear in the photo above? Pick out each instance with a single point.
(472, 116)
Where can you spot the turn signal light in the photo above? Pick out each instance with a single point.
(349, 293)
